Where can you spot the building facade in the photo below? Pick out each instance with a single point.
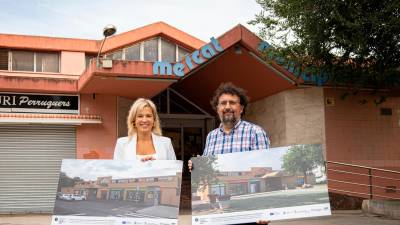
(255, 180)
(56, 102)
(144, 191)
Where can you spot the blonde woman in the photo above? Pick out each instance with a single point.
(144, 140)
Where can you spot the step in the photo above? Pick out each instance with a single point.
(389, 208)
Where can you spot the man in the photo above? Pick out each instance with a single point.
(233, 134)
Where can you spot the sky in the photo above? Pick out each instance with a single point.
(245, 160)
(91, 169)
(86, 18)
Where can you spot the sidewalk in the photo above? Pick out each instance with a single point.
(341, 217)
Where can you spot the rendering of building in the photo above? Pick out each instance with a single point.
(256, 180)
(58, 102)
(163, 190)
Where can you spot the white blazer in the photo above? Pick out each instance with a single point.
(126, 150)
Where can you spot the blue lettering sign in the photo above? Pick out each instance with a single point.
(162, 67)
(198, 57)
(178, 69)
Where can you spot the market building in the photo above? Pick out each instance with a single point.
(254, 180)
(144, 191)
(56, 102)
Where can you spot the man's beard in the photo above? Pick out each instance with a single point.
(228, 119)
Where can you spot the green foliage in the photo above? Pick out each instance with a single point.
(355, 42)
(303, 158)
(66, 181)
(204, 172)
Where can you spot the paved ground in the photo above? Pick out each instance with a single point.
(274, 199)
(349, 217)
(113, 208)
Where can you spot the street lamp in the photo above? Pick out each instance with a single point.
(107, 31)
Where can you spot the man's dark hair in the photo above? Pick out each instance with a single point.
(229, 88)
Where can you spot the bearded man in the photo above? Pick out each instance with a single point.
(233, 134)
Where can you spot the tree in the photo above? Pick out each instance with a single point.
(303, 158)
(204, 172)
(353, 43)
(66, 181)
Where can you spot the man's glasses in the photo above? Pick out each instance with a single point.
(225, 103)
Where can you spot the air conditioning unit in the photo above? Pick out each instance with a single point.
(107, 63)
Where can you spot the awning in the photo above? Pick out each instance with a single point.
(27, 118)
(125, 78)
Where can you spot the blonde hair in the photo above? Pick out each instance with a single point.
(140, 104)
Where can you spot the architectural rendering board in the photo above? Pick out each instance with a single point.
(118, 192)
(275, 184)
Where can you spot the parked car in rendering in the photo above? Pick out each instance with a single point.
(78, 197)
(67, 197)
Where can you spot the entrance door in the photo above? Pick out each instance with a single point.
(188, 138)
(187, 141)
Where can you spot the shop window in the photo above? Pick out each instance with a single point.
(237, 189)
(150, 179)
(133, 53)
(181, 53)
(168, 51)
(150, 49)
(47, 62)
(22, 61)
(218, 189)
(3, 59)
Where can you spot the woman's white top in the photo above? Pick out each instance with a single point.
(125, 148)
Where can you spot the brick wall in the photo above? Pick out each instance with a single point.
(291, 117)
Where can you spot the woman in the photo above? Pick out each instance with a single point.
(144, 140)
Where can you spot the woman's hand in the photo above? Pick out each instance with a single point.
(147, 158)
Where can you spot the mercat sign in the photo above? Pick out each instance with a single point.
(196, 58)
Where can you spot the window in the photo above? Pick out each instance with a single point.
(47, 62)
(168, 51)
(35, 61)
(115, 55)
(133, 53)
(3, 59)
(151, 179)
(237, 189)
(150, 49)
(88, 59)
(181, 53)
(22, 61)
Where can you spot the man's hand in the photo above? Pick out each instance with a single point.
(147, 158)
(263, 222)
(190, 165)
